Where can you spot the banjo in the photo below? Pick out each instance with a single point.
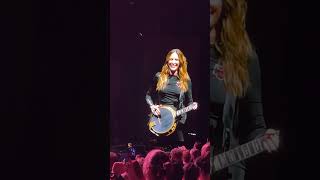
(165, 124)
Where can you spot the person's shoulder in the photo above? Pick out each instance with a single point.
(253, 63)
(253, 57)
(157, 74)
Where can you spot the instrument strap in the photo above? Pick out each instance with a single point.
(180, 99)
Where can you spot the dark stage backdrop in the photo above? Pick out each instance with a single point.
(267, 24)
(142, 32)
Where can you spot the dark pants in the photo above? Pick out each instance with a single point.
(236, 172)
(173, 140)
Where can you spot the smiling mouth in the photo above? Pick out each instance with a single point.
(173, 65)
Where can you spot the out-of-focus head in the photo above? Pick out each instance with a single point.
(205, 148)
(186, 157)
(183, 148)
(134, 170)
(194, 153)
(140, 159)
(191, 171)
(229, 36)
(174, 170)
(197, 145)
(203, 162)
(176, 154)
(153, 166)
(113, 158)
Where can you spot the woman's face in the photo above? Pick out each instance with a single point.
(173, 62)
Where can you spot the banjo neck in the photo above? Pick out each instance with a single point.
(186, 109)
(240, 153)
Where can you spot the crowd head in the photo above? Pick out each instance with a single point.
(179, 163)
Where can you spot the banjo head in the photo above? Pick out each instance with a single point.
(165, 122)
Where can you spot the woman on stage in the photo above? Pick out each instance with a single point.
(172, 87)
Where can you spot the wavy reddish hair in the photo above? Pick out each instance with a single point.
(182, 71)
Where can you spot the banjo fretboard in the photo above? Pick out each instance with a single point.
(238, 154)
(184, 110)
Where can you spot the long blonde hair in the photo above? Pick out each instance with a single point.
(235, 46)
(182, 71)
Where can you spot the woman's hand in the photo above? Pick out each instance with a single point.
(194, 106)
(271, 142)
(155, 109)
